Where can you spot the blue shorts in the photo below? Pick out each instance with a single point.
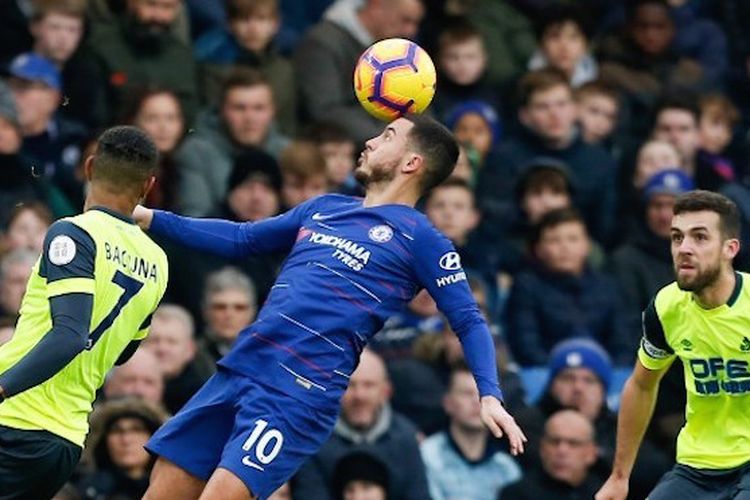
(258, 433)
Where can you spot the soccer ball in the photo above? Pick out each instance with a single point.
(394, 77)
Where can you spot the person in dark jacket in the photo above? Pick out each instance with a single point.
(548, 116)
(561, 297)
(360, 475)
(567, 453)
(120, 464)
(367, 423)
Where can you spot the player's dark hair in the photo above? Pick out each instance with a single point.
(539, 81)
(125, 158)
(451, 182)
(555, 16)
(551, 220)
(699, 201)
(438, 146)
(678, 101)
(242, 77)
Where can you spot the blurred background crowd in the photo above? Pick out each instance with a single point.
(579, 124)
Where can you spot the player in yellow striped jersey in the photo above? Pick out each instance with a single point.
(704, 319)
(87, 305)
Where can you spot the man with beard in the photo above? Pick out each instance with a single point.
(353, 263)
(702, 319)
(140, 50)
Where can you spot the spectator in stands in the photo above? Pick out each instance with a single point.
(563, 33)
(141, 377)
(50, 142)
(465, 460)
(338, 150)
(17, 183)
(543, 186)
(561, 297)
(172, 340)
(111, 11)
(580, 374)
(462, 68)
(476, 125)
(368, 423)
(15, 269)
(655, 156)
(360, 476)
(676, 122)
(642, 61)
(15, 37)
(138, 50)
(567, 453)
(58, 27)
(718, 118)
(598, 110)
(304, 174)
(229, 305)
(400, 332)
(247, 41)
(245, 118)
(159, 113)
(27, 227)
(644, 263)
(121, 466)
(326, 57)
(254, 188)
(548, 114)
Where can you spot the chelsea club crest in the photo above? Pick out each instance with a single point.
(381, 233)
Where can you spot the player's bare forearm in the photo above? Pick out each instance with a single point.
(636, 408)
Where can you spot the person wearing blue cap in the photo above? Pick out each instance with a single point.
(580, 375)
(50, 142)
(643, 264)
(475, 123)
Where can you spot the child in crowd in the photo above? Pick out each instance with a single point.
(653, 157)
(303, 170)
(718, 117)
(476, 124)
(462, 64)
(563, 36)
(248, 41)
(598, 108)
(338, 150)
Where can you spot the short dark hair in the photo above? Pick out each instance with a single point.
(699, 201)
(553, 219)
(558, 14)
(598, 87)
(458, 30)
(456, 367)
(541, 177)
(539, 81)
(451, 182)
(242, 77)
(241, 9)
(680, 101)
(438, 146)
(125, 157)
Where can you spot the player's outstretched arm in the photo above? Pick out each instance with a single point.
(636, 407)
(228, 239)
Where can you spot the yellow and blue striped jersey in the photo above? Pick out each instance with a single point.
(103, 254)
(714, 346)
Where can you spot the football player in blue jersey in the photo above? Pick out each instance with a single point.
(353, 263)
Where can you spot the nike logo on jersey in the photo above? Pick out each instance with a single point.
(319, 216)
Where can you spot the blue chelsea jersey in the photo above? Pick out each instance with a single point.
(349, 269)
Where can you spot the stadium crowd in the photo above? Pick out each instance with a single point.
(579, 123)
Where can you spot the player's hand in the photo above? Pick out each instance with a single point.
(616, 488)
(143, 216)
(500, 423)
